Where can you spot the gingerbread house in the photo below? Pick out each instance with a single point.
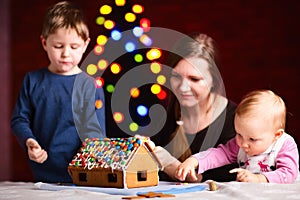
(115, 162)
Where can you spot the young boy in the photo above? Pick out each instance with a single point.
(55, 109)
(263, 150)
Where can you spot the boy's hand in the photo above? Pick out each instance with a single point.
(244, 175)
(187, 168)
(35, 152)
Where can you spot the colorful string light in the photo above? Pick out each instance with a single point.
(161, 95)
(92, 69)
(120, 2)
(105, 9)
(133, 126)
(132, 44)
(98, 104)
(116, 35)
(146, 40)
(138, 9)
(109, 24)
(161, 79)
(145, 24)
(110, 88)
(118, 117)
(138, 58)
(137, 31)
(134, 92)
(130, 17)
(101, 40)
(102, 64)
(153, 54)
(129, 46)
(155, 88)
(115, 68)
(100, 20)
(98, 49)
(155, 67)
(142, 110)
(99, 82)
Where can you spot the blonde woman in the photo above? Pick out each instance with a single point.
(201, 115)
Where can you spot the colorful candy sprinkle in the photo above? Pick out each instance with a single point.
(104, 152)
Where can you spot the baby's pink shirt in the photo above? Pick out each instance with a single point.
(287, 160)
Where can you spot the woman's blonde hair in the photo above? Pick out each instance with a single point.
(65, 15)
(265, 104)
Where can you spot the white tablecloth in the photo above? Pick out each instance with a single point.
(228, 190)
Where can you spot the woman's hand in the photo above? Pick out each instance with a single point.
(164, 157)
(35, 152)
(187, 169)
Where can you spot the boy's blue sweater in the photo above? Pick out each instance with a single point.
(59, 112)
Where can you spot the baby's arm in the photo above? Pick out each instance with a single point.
(35, 152)
(287, 164)
(244, 175)
(187, 168)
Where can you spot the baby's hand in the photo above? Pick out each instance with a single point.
(187, 168)
(35, 152)
(244, 175)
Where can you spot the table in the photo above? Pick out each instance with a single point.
(226, 190)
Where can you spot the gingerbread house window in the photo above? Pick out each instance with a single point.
(82, 177)
(112, 178)
(142, 175)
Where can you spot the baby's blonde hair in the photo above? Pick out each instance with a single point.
(263, 104)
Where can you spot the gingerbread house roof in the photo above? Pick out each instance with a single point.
(114, 153)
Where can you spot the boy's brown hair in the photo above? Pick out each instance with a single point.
(65, 15)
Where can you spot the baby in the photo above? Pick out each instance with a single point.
(264, 151)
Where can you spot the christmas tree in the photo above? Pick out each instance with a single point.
(127, 65)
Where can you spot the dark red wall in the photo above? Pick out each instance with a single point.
(258, 40)
(5, 90)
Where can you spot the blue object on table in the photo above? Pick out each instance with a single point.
(179, 190)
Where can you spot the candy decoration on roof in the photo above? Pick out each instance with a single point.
(114, 153)
(106, 152)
